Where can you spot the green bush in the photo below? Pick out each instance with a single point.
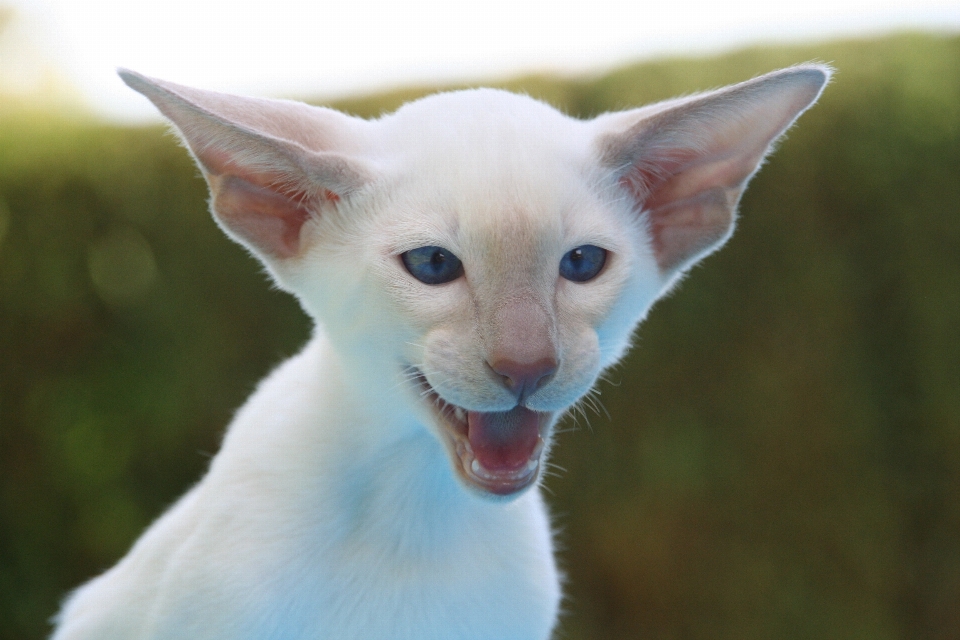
(782, 457)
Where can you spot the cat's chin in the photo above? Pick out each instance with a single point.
(497, 455)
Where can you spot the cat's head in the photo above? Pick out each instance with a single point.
(477, 257)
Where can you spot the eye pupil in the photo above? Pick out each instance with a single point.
(583, 263)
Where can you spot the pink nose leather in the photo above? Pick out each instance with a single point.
(524, 378)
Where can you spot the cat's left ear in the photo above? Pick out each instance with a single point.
(685, 163)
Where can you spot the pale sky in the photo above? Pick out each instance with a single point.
(329, 49)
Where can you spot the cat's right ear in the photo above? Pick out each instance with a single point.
(270, 164)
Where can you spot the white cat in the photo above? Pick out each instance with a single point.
(472, 262)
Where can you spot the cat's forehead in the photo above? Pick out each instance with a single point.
(477, 123)
(505, 182)
(485, 214)
(494, 104)
(485, 163)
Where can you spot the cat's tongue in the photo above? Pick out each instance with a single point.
(503, 441)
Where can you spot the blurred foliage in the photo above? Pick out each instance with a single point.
(782, 458)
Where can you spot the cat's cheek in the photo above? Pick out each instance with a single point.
(424, 307)
(615, 304)
(454, 361)
(579, 368)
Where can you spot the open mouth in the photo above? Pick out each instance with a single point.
(495, 452)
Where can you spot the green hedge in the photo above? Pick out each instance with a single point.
(782, 457)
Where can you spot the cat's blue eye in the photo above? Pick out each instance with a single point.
(583, 263)
(432, 265)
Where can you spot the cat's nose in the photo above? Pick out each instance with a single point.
(524, 378)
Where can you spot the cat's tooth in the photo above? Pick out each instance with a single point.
(480, 472)
(538, 450)
(460, 414)
(532, 464)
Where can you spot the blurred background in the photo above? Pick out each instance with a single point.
(779, 456)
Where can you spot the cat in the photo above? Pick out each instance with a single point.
(472, 262)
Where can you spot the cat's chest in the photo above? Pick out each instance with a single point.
(395, 554)
(480, 596)
(474, 586)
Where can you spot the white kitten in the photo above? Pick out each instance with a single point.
(473, 262)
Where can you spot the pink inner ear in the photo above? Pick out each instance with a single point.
(684, 229)
(265, 217)
(257, 206)
(643, 178)
(689, 198)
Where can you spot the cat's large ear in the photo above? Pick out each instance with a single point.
(270, 164)
(685, 163)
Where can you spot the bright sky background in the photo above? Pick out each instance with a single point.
(328, 49)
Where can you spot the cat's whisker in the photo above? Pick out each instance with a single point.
(553, 466)
(544, 487)
(578, 408)
(594, 401)
(607, 377)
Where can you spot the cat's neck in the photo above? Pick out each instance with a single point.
(348, 451)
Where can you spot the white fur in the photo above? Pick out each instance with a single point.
(333, 509)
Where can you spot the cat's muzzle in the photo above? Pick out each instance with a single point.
(494, 453)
